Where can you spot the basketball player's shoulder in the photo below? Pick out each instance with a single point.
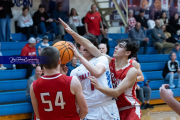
(74, 71)
(132, 70)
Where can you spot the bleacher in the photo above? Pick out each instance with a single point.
(13, 83)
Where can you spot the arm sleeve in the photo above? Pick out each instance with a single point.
(53, 15)
(24, 52)
(36, 19)
(80, 21)
(70, 20)
(86, 19)
(31, 21)
(103, 61)
(163, 36)
(155, 35)
(11, 4)
(20, 22)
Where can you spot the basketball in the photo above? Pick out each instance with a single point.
(65, 52)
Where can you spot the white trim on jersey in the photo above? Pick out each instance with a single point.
(51, 78)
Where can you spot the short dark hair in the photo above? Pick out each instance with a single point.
(131, 45)
(52, 57)
(92, 38)
(24, 8)
(58, 4)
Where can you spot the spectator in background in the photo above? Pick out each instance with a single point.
(174, 21)
(72, 66)
(144, 89)
(29, 50)
(140, 18)
(43, 44)
(103, 48)
(169, 38)
(159, 40)
(58, 13)
(38, 73)
(93, 22)
(177, 51)
(25, 22)
(171, 71)
(44, 22)
(137, 34)
(131, 21)
(164, 21)
(76, 20)
(5, 20)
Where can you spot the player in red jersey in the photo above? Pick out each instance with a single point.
(54, 95)
(124, 75)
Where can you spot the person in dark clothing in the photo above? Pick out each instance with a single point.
(169, 37)
(174, 21)
(140, 18)
(171, 71)
(5, 20)
(44, 22)
(58, 13)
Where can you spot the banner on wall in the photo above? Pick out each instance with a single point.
(50, 5)
(153, 8)
(20, 3)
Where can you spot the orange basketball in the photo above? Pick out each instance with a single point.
(65, 52)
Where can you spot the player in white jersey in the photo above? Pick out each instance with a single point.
(101, 107)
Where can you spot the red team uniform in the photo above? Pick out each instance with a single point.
(55, 100)
(128, 105)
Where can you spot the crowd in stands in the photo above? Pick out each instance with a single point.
(162, 32)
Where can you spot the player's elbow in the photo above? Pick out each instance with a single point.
(84, 112)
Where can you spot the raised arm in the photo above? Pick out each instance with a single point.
(126, 83)
(97, 70)
(34, 101)
(82, 41)
(167, 97)
(140, 76)
(76, 89)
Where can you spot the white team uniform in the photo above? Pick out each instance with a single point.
(101, 107)
(165, 5)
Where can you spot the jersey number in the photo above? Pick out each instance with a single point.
(58, 96)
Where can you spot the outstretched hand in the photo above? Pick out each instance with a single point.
(94, 82)
(75, 51)
(165, 93)
(66, 27)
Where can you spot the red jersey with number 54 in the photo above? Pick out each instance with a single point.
(55, 100)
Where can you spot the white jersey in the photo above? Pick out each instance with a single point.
(165, 5)
(94, 98)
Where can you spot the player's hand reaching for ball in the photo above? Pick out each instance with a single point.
(94, 82)
(165, 93)
(66, 27)
(75, 51)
